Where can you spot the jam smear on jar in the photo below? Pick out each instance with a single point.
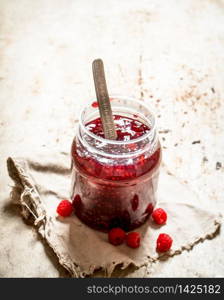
(115, 191)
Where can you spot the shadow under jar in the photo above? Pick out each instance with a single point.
(114, 182)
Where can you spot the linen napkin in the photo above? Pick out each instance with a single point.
(42, 181)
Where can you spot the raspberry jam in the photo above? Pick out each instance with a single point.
(127, 129)
(114, 182)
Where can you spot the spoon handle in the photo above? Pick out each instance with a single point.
(103, 100)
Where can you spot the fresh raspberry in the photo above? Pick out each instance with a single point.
(65, 208)
(164, 242)
(116, 236)
(95, 104)
(159, 216)
(133, 239)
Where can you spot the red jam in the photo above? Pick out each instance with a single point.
(127, 129)
(115, 191)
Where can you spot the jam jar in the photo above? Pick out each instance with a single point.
(114, 182)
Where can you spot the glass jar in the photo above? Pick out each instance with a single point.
(114, 183)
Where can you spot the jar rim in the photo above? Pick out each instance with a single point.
(115, 142)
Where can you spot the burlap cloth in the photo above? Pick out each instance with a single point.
(40, 184)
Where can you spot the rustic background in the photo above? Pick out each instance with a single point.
(169, 53)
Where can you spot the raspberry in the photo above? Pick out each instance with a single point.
(65, 208)
(95, 104)
(116, 236)
(164, 242)
(159, 216)
(133, 239)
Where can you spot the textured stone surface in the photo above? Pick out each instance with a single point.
(169, 53)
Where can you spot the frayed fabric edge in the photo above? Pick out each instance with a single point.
(33, 207)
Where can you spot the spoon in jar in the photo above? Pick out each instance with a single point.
(103, 100)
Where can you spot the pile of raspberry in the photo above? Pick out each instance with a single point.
(118, 236)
